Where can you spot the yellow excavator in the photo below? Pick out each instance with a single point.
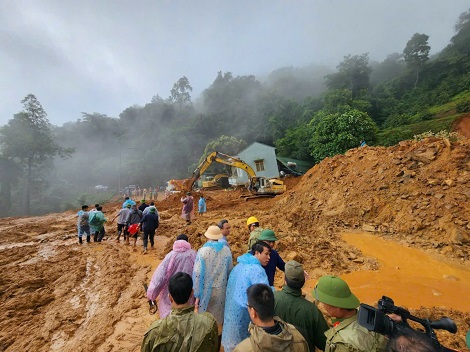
(218, 181)
(257, 185)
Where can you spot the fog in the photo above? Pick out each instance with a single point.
(105, 56)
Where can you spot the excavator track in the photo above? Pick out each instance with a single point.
(254, 196)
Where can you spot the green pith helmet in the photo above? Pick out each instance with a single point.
(267, 235)
(335, 292)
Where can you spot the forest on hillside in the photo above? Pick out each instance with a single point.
(307, 113)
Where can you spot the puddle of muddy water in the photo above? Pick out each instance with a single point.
(411, 277)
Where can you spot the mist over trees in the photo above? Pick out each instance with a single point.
(307, 113)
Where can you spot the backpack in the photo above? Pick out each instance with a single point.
(95, 221)
(84, 219)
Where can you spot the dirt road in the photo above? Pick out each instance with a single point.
(360, 215)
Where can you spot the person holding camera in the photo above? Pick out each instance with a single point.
(341, 304)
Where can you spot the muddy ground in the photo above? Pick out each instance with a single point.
(57, 295)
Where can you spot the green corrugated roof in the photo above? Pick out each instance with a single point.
(302, 166)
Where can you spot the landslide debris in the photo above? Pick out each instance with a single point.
(60, 296)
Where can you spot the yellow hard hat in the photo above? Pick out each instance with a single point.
(251, 220)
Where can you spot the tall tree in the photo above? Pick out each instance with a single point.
(179, 94)
(416, 53)
(29, 140)
(353, 73)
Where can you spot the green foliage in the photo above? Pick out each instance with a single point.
(10, 173)
(416, 52)
(180, 92)
(29, 140)
(393, 66)
(353, 73)
(391, 136)
(338, 132)
(463, 106)
(225, 144)
(295, 143)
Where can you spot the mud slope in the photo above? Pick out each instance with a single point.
(56, 295)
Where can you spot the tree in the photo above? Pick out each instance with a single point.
(179, 94)
(10, 172)
(338, 132)
(353, 73)
(416, 53)
(464, 18)
(28, 139)
(225, 144)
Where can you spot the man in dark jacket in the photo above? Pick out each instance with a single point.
(275, 261)
(183, 330)
(149, 224)
(292, 307)
(143, 205)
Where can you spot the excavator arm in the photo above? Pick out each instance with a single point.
(221, 158)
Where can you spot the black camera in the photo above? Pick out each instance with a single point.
(376, 319)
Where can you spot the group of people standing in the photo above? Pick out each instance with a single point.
(205, 302)
(91, 223)
(130, 220)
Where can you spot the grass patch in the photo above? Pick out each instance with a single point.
(391, 136)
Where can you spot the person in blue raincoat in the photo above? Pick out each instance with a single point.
(247, 272)
(202, 205)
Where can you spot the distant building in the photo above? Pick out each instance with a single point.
(261, 158)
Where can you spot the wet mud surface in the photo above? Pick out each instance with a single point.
(391, 221)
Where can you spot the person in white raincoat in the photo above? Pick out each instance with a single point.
(210, 275)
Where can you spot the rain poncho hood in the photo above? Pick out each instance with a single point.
(181, 259)
(247, 272)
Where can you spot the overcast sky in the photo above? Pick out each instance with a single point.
(104, 56)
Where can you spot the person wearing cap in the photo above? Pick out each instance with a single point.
(121, 221)
(183, 330)
(134, 217)
(149, 223)
(275, 260)
(247, 272)
(341, 304)
(127, 200)
(255, 231)
(210, 275)
(187, 212)
(267, 332)
(291, 306)
(224, 227)
(147, 210)
(143, 205)
(180, 259)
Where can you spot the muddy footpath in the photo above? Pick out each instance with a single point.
(391, 221)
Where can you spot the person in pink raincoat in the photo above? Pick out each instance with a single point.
(187, 212)
(180, 259)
